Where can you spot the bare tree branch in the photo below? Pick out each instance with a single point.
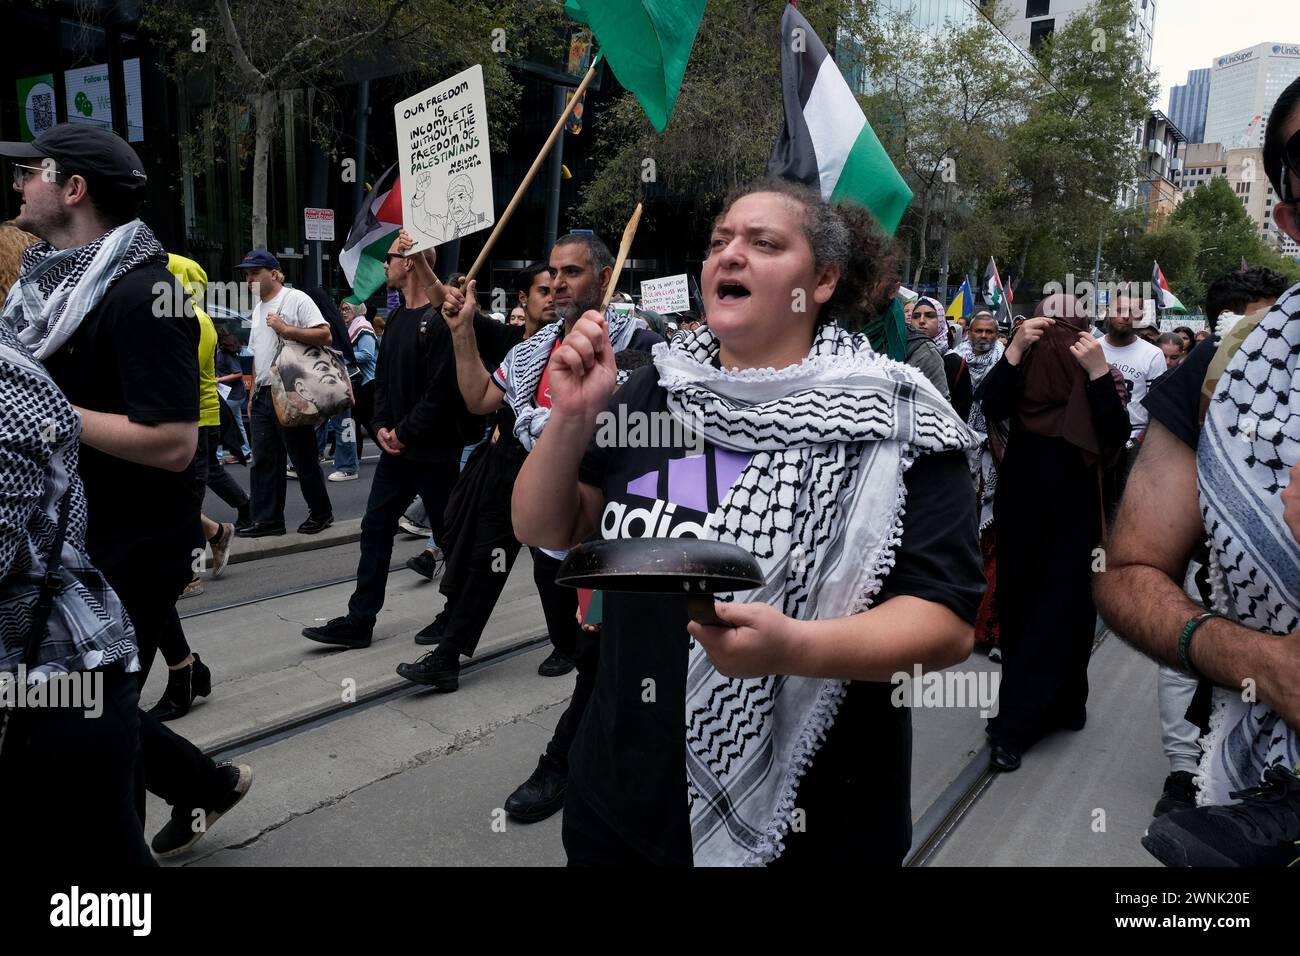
(236, 45)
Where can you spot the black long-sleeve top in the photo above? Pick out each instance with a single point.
(415, 382)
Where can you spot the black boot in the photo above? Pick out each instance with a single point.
(183, 686)
(540, 795)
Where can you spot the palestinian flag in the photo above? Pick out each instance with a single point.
(1164, 298)
(827, 142)
(996, 295)
(646, 43)
(371, 235)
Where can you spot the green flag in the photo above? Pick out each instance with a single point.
(647, 44)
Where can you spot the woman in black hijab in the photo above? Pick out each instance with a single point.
(1066, 421)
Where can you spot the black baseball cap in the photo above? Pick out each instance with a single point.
(98, 154)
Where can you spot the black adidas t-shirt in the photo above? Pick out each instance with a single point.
(628, 762)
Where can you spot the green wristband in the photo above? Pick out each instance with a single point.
(1185, 642)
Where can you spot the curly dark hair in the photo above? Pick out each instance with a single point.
(1234, 291)
(844, 234)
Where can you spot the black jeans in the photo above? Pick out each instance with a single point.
(559, 604)
(397, 480)
(211, 472)
(587, 656)
(270, 444)
(72, 790)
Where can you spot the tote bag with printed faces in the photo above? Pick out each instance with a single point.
(309, 384)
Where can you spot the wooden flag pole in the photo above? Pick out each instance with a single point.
(532, 171)
(623, 248)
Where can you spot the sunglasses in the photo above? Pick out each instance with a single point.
(1290, 167)
(393, 255)
(23, 173)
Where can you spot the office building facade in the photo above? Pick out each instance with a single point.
(1188, 102)
(1243, 87)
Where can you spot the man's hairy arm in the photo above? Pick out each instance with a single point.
(1140, 593)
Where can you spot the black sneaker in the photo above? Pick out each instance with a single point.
(315, 525)
(179, 835)
(540, 795)
(438, 669)
(557, 665)
(426, 564)
(1260, 831)
(1180, 794)
(341, 631)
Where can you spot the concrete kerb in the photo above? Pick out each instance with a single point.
(251, 549)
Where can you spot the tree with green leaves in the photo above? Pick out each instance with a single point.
(1227, 232)
(1076, 147)
(252, 54)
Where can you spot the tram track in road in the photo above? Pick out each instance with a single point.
(942, 818)
(284, 730)
(276, 595)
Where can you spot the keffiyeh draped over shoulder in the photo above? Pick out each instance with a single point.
(1250, 441)
(524, 364)
(820, 507)
(57, 288)
(980, 366)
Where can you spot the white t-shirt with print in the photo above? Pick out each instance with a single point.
(297, 309)
(1140, 363)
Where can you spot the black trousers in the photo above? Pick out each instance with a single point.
(587, 656)
(363, 412)
(273, 448)
(210, 471)
(71, 792)
(173, 768)
(469, 610)
(149, 595)
(397, 481)
(559, 604)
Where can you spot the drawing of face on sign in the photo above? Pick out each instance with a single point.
(460, 199)
(315, 380)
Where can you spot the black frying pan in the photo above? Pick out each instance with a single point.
(698, 569)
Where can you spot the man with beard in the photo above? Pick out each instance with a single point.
(982, 351)
(421, 424)
(581, 266)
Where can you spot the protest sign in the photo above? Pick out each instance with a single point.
(442, 145)
(670, 294)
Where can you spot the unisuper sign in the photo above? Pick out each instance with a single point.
(1286, 50)
(1233, 58)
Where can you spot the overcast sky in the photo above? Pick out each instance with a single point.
(1189, 34)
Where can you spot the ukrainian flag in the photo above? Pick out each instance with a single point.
(961, 303)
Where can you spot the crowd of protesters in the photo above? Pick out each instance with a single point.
(964, 478)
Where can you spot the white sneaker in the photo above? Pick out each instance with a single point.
(343, 476)
(411, 528)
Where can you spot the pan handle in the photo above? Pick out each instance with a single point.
(700, 608)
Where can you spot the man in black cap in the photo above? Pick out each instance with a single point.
(95, 303)
(281, 314)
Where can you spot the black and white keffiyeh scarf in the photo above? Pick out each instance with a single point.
(980, 366)
(524, 364)
(1249, 443)
(820, 507)
(88, 627)
(57, 288)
